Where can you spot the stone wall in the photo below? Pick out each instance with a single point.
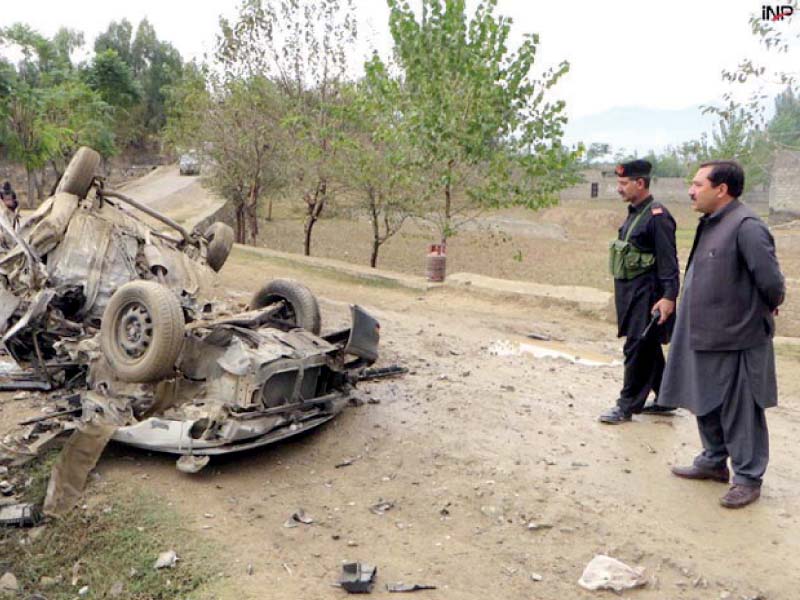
(666, 189)
(784, 190)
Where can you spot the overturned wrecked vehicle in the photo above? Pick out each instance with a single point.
(118, 319)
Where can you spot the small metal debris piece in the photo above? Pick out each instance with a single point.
(542, 337)
(536, 577)
(189, 463)
(20, 515)
(380, 373)
(166, 560)
(381, 507)
(532, 526)
(405, 587)
(345, 463)
(358, 578)
(297, 517)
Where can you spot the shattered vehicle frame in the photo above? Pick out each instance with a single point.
(98, 300)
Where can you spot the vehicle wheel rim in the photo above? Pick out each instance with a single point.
(135, 330)
(286, 313)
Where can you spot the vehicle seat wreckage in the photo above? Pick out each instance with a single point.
(115, 319)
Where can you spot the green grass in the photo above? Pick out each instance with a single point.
(790, 351)
(117, 539)
(254, 257)
(39, 474)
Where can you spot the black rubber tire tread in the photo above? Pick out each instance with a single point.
(220, 241)
(80, 172)
(300, 298)
(158, 361)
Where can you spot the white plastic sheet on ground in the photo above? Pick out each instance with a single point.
(606, 573)
(508, 348)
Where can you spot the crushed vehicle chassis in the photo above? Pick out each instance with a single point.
(99, 303)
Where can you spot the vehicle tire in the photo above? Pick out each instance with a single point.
(80, 172)
(300, 305)
(220, 241)
(142, 332)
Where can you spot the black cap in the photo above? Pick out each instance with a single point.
(633, 169)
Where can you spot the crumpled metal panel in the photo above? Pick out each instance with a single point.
(35, 310)
(242, 360)
(8, 304)
(49, 231)
(95, 256)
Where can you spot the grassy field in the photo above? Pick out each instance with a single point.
(108, 545)
(566, 245)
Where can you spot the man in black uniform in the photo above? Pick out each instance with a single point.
(644, 263)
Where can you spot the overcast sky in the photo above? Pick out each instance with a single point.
(666, 55)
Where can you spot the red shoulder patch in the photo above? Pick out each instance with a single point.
(657, 210)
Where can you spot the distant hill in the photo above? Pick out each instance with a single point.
(637, 128)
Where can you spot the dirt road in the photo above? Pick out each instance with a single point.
(495, 464)
(471, 447)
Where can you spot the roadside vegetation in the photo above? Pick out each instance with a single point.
(109, 546)
(452, 124)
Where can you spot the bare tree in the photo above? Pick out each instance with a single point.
(302, 45)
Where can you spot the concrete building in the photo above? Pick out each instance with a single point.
(784, 189)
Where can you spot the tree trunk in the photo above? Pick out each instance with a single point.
(40, 184)
(251, 212)
(448, 201)
(240, 229)
(315, 206)
(373, 259)
(59, 173)
(31, 186)
(376, 229)
(312, 218)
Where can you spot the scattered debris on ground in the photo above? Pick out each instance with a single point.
(606, 573)
(358, 578)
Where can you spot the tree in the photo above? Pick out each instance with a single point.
(744, 124)
(666, 164)
(110, 77)
(379, 166)
(597, 150)
(784, 127)
(153, 66)
(31, 140)
(156, 65)
(303, 46)
(117, 37)
(473, 111)
(82, 118)
(779, 39)
(237, 124)
(733, 137)
(47, 111)
(247, 144)
(187, 103)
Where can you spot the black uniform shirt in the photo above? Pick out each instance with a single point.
(634, 298)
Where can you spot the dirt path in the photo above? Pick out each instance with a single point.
(471, 447)
(179, 196)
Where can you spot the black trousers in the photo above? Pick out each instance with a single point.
(644, 367)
